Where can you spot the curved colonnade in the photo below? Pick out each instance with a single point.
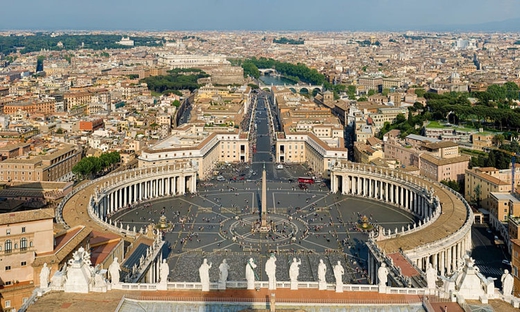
(122, 190)
(442, 236)
(138, 185)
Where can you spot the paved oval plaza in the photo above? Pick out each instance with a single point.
(219, 223)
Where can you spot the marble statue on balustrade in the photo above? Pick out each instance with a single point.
(164, 271)
(294, 271)
(338, 275)
(44, 276)
(223, 274)
(204, 274)
(250, 273)
(490, 287)
(322, 270)
(382, 274)
(113, 270)
(431, 276)
(270, 270)
(58, 278)
(99, 282)
(507, 283)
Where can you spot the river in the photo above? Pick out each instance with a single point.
(276, 80)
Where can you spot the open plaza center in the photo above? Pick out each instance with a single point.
(219, 223)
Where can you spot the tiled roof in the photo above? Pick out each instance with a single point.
(26, 216)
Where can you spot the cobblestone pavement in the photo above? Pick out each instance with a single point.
(310, 225)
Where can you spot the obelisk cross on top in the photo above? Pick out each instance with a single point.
(263, 211)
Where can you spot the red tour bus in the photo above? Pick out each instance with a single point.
(307, 180)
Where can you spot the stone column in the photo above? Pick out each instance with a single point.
(454, 257)
(441, 262)
(113, 200)
(414, 202)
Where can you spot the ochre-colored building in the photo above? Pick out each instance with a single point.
(47, 106)
(515, 264)
(56, 165)
(23, 236)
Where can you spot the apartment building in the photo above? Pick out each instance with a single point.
(515, 265)
(91, 124)
(367, 152)
(481, 182)
(441, 168)
(14, 150)
(55, 165)
(44, 106)
(73, 99)
(371, 83)
(23, 236)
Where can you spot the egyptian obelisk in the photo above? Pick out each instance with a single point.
(263, 211)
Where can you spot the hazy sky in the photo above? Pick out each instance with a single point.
(250, 14)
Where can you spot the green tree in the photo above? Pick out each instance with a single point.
(385, 91)
(512, 90)
(371, 92)
(420, 92)
(498, 140)
(400, 118)
(491, 161)
(418, 105)
(454, 185)
(496, 92)
(477, 191)
(351, 92)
